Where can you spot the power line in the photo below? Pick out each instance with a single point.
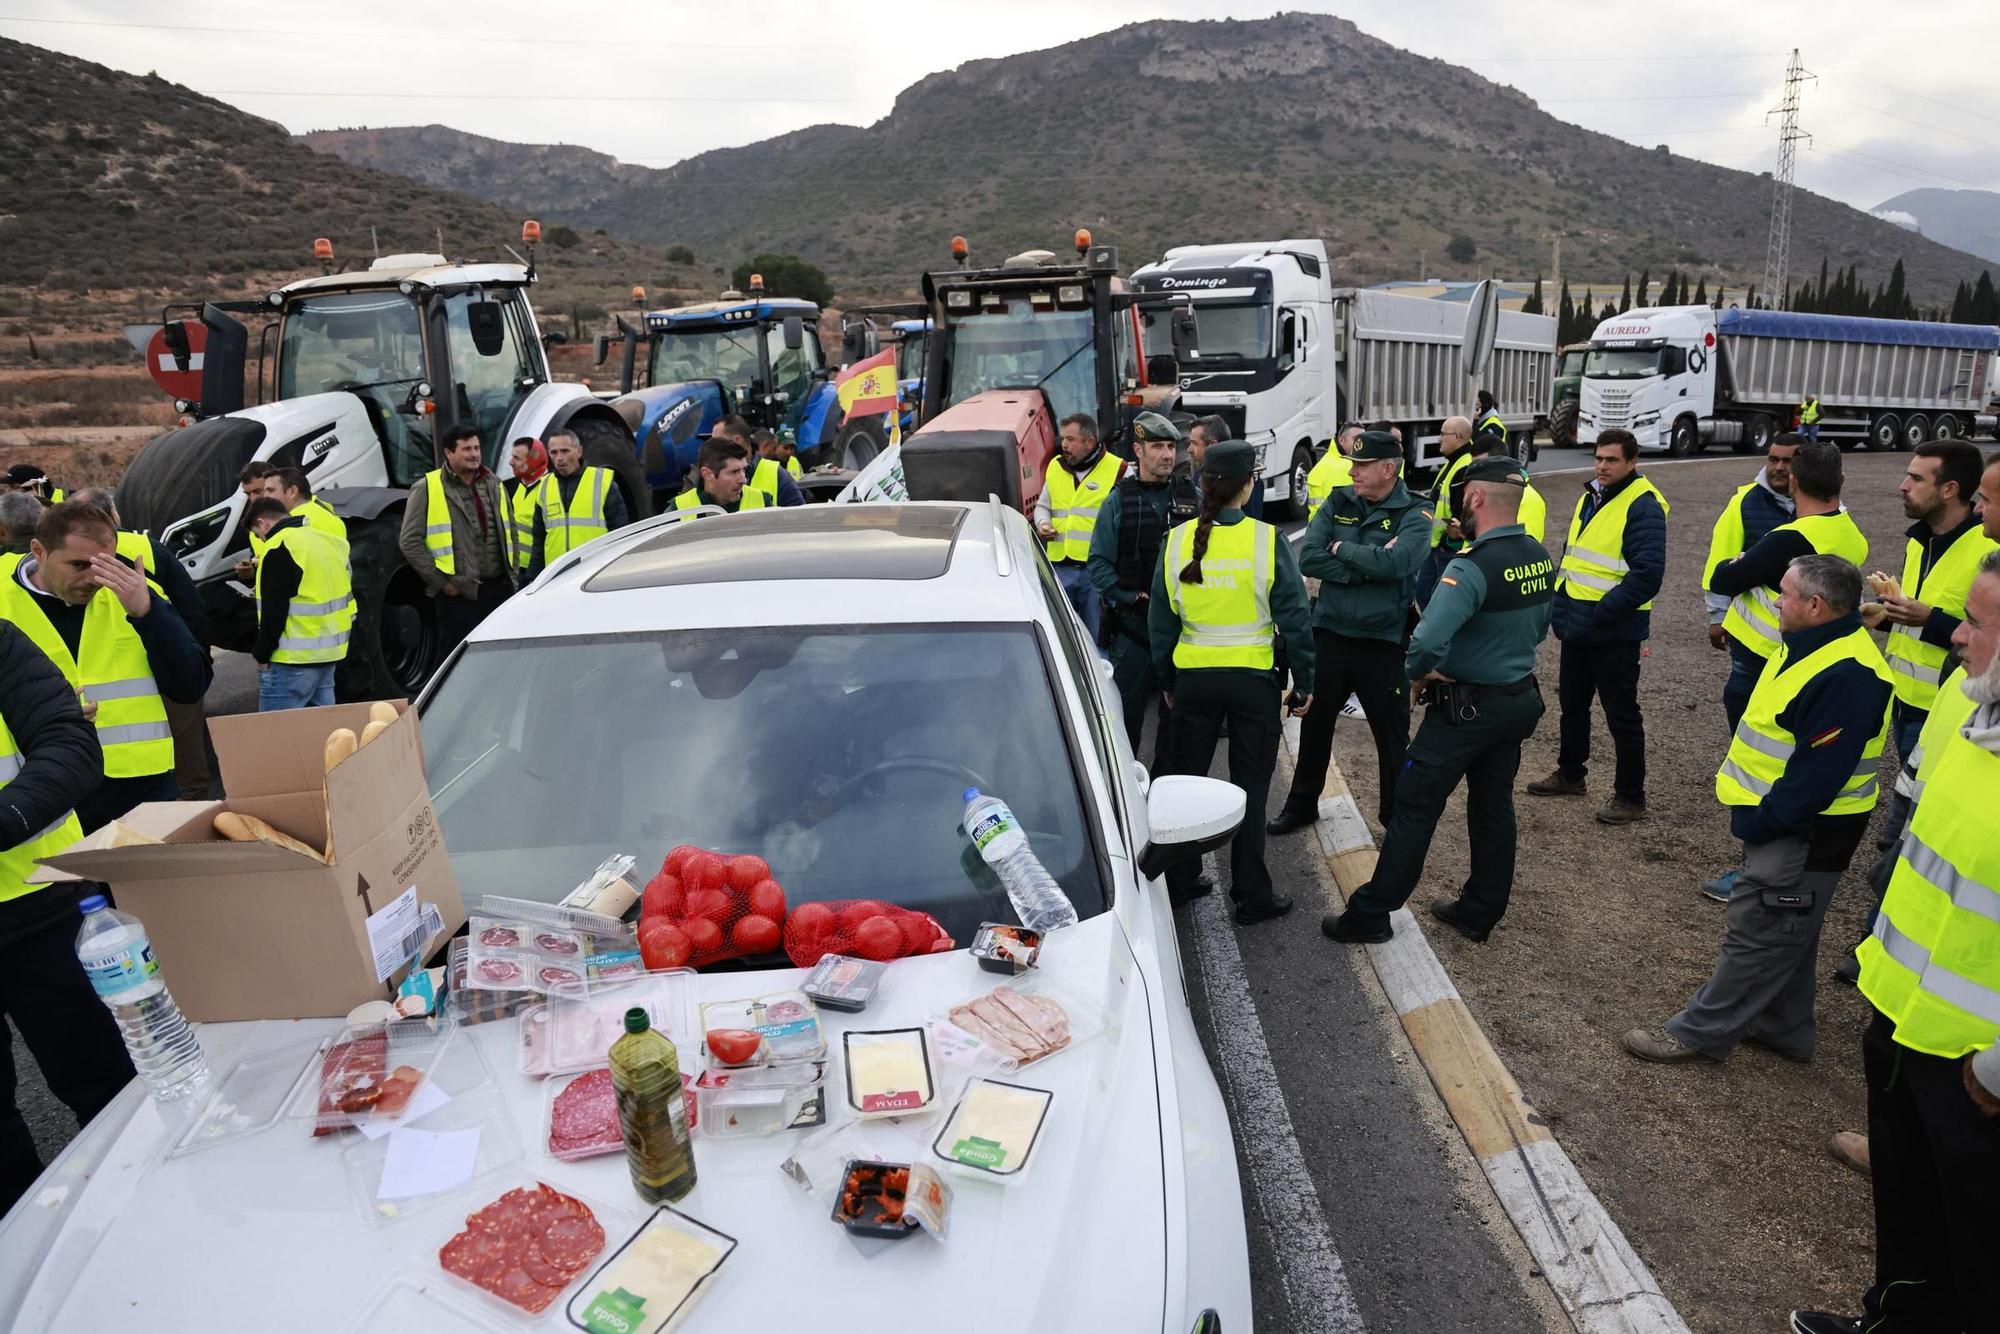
(1923, 125)
(1948, 106)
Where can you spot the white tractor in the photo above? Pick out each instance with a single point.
(366, 372)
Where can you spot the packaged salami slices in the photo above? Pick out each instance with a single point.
(515, 954)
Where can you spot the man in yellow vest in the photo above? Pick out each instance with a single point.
(305, 609)
(455, 536)
(528, 460)
(1534, 509)
(1931, 969)
(1989, 497)
(1077, 484)
(1447, 538)
(1612, 566)
(573, 504)
(1334, 469)
(1799, 781)
(294, 489)
(1486, 417)
(49, 760)
(120, 643)
(761, 474)
(721, 473)
(781, 450)
(1809, 417)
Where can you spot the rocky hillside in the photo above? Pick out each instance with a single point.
(1167, 132)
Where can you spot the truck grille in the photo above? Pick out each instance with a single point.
(1614, 407)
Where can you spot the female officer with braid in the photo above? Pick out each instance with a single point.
(1227, 590)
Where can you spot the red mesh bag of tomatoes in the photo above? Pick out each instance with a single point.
(863, 929)
(704, 906)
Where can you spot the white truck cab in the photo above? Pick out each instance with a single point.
(1647, 370)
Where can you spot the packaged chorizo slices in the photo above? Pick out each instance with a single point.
(654, 1276)
(370, 1074)
(519, 1243)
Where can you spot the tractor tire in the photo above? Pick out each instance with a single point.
(610, 446)
(1562, 425)
(394, 646)
(1685, 442)
(858, 443)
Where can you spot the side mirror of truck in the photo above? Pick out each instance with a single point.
(795, 332)
(1185, 339)
(853, 341)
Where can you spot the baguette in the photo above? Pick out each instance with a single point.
(1873, 614)
(383, 712)
(239, 828)
(1884, 585)
(340, 745)
(373, 730)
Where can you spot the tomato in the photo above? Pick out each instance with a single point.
(918, 933)
(672, 865)
(703, 935)
(733, 1046)
(664, 945)
(712, 904)
(943, 945)
(768, 900)
(746, 871)
(852, 916)
(756, 935)
(809, 921)
(663, 898)
(704, 870)
(878, 938)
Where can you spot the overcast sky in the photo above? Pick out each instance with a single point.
(1905, 96)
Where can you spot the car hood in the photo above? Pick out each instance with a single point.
(1078, 1242)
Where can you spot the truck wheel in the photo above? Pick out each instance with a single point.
(609, 446)
(1562, 425)
(1885, 432)
(1685, 440)
(1302, 466)
(1756, 437)
(1916, 430)
(394, 646)
(858, 443)
(1946, 427)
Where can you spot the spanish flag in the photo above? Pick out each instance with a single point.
(868, 386)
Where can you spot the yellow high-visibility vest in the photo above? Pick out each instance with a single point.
(521, 524)
(1918, 665)
(1761, 747)
(1535, 512)
(1752, 618)
(137, 548)
(1441, 511)
(437, 524)
(764, 478)
(1490, 422)
(321, 614)
(1809, 412)
(1074, 502)
(565, 529)
(1226, 618)
(319, 517)
(112, 672)
(750, 500)
(1932, 964)
(1593, 560)
(18, 861)
(792, 467)
(1333, 470)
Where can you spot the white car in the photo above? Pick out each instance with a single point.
(817, 686)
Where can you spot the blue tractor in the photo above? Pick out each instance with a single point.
(754, 355)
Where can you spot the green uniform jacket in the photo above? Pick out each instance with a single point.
(1366, 586)
(1102, 566)
(1486, 647)
(1288, 611)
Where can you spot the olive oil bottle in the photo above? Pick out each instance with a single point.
(652, 1111)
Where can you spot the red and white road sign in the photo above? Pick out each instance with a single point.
(160, 362)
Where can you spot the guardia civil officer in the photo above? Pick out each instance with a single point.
(1474, 654)
(1227, 589)
(1124, 553)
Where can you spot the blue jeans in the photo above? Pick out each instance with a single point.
(1744, 669)
(1082, 593)
(294, 685)
(1810, 431)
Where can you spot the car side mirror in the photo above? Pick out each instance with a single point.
(1189, 816)
(795, 332)
(487, 326)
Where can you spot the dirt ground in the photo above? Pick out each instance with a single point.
(1719, 1174)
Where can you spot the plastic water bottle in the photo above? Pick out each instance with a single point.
(1038, 900)
(115, 953)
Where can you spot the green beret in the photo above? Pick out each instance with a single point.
(1230, 458)
(1376, 445)
(1503, 470)
(1153, 426)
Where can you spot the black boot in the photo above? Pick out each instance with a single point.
(1291, 817)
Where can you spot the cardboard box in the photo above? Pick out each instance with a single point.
(257, 931)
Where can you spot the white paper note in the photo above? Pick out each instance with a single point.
(427, 1099)
(424, 1162)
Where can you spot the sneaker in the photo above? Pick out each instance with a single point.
(1349, 929)
(1722, 886)
(1556, 785)
(1848, 970)
(1270, 907)
(1452, 914)
(1352, 709)
(1290, 819)
(1850, 1149)
(1824, 1322)
(1661, 1047)
(1621, 810)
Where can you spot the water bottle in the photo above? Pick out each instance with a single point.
(115, 953)
(1038, 900)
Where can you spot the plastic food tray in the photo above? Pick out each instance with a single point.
(615, 1221)
(553, 1089)
(409, 1300)
(251, 1097)
(580, 1030)
(612, 1300)
(549, 915)
(758, 1100)
(499, 1147)
(918, 1101)
(1087, 1019)
(787, 1020)
(421, 1044)
(1003, 1172)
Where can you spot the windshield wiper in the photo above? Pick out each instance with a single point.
(1056, 369)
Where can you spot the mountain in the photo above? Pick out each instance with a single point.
(1168, 132)
(1966, 219)
(112, 180)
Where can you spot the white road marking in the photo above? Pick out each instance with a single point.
(1309, 1268)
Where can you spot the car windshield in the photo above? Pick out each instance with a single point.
(369, 343)
(1231, 330)
(1015, 346)
(1622, 363)
(727, 355)
(792, 368)
(1572, 364)
(839, 755)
